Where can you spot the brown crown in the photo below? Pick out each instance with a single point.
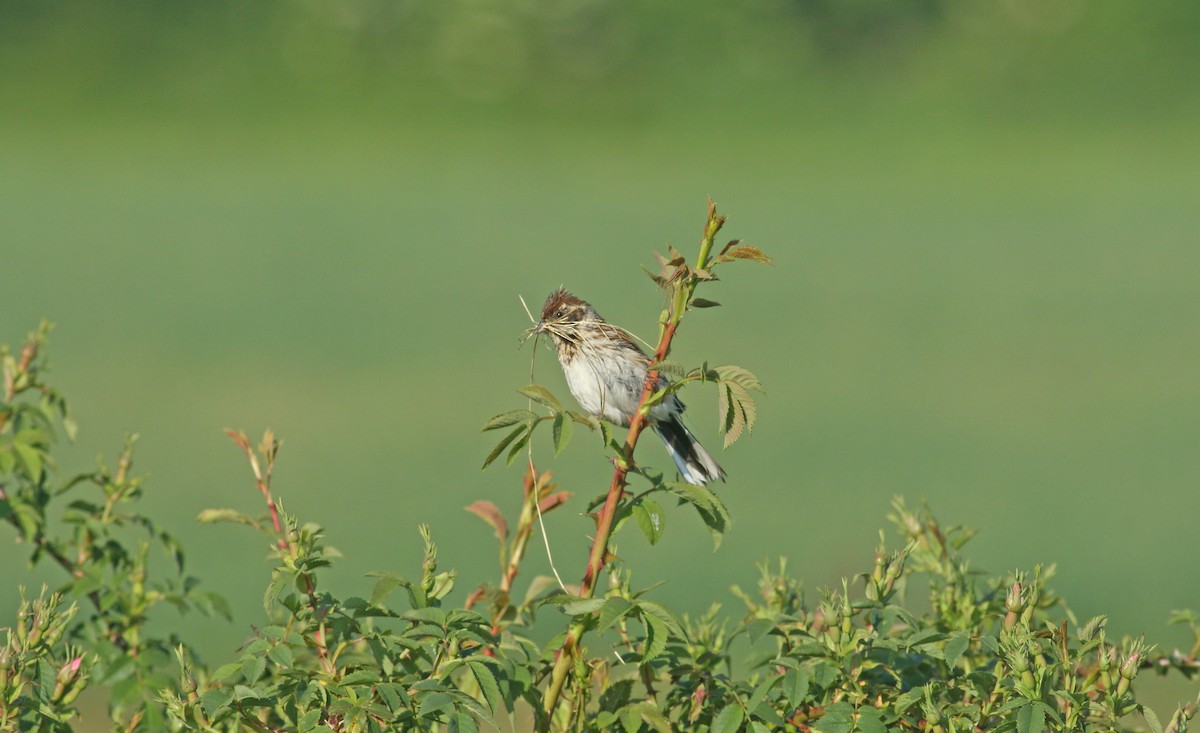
(557, 300)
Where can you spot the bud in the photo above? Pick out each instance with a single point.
(1014, 602)
(1129, 668)
(66, 674)
(697, 706)
(22, 620)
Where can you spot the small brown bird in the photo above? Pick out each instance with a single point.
(606, 371)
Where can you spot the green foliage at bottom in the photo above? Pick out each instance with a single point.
(983, 653)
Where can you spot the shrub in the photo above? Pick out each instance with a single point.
(990, 652)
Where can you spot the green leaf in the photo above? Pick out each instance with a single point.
(215, 699)
(502, 445)
(512, 417)
(274, 588)
(870, 720)
(309, 720)
(213, 516)
(281, 654)
(649, 517)
(739, 375)
(955, 646)
(656, 637)
(710, 507)
(795, 686)
(487, 684)
(760, 693)
(387, 583)
(562, 431)
(1030, 719)
(908, 699)
(1151, 719)
(225, 671)
(838, 718)
(582, 606)
(1088, 631)
(516, 448)
(631, 719)
(31, 458)
(660, 625)
(434, 703)
(729, 720)
(703, 303)
(464, 722)
(613, 609)
(736, 409)
(542, 396)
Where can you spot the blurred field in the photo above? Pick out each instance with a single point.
(318, 217)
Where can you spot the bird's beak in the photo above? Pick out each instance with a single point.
(539, 327)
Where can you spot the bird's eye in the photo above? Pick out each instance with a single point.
(561, 312)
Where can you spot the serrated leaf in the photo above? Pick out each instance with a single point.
(650, 519)
(650, 608)
(212, 516)
(1088, 630)
(464, 723)
(387, 583)
(698, 496)
(562, 432)
(1031, 719)
(501, 446)
(708, 505)
(739, 375)
(512, 417)
(746, 252)
(516, 448)
(673, 368)
(631, 719)
(729, 720)
(281, 654)
(656, 637)
(215, 699)
(795, 686)
(737, 410)
(582, 606)
(955, 646)
(908, 699)
(434, 703)
(612, 611)
(31, 458)
(225, 671)
(870, 720)
(542, 396)
(274, 588)
(1151, 719)
(490, 513)
(487, 683)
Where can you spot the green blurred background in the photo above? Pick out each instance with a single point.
(317, 216)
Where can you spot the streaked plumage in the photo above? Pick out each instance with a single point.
(606, 372)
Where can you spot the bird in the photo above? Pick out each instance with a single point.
(606, 373)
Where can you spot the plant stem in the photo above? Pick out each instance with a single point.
(682, 293)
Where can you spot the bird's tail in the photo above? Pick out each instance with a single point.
(695, 464)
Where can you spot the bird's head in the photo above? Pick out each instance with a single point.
(561, 316)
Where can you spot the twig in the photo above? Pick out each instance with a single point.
(616, 490)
